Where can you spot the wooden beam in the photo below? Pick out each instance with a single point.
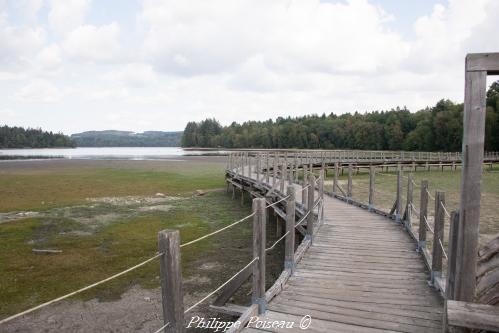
(470, 315)
(486, 62)
(259, 242)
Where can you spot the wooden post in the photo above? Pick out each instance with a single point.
(170, 272)
(310, 204)
(438, 236)
(423, 215)
(452, 247)
(372, 185)
(267, 166)
(321, 195)
(274, 170)
(259, 242)
(408, 209)
(258, 166)
(335, 178)
(398, 200)
(284, 173)
(472, 159)
(349, 185)
(289, 245)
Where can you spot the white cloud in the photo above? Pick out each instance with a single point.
(66, 15)
(17, 44)
(133, 74)
(92, 43)
(49, 57)
(39, 91)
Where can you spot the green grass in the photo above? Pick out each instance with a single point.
(29, 279)
(39, 189)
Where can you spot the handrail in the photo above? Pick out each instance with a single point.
(80, 290)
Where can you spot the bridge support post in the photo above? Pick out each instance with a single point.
(171, 281)
(321, 195)
(398, 200)
(289, 245)
(409, 206)
(310, 203)
(349, 184)
(259, 240)
(371, 188)
(423, 215)
(438, 233)
(335, 178)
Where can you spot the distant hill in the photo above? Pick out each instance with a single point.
(19, 137)
(111, 138)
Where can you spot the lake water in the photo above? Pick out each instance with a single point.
(128, 153)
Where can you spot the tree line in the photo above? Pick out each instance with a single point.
(437, 128)
(110, 138)
(19, 137)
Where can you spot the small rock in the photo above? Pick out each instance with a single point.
(147, 299)
(160, 195)
(199, 193)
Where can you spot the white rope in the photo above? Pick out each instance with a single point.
(276, 242)
(303, 218)
(162, 327)
(305, 187)
(445, 209)
(414, 183)
(385, 174)
(80, 290)
(221, 286)
(317, 203)
(443, 250)
(415, 210)
(428, 225)
(429, 194)
(275, 203)
(216, 232)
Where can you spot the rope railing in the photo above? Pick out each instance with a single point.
(276, 242)
(445, 209)
(217, 231)
(275, 203)
(427, 225)
(429, 194)
(213, 292)
(303, 219)
(81, 290)
(443, 249)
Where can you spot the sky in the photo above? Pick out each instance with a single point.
(77, 65)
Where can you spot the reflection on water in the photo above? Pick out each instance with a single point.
(127, 153)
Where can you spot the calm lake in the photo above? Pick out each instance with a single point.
(128, 153)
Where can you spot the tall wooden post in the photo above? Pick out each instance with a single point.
(267, 167)
(372, 185)
(289, 245)
(409, 201)
(398, 202)
(321, 195)
(452, 247)
(335, 178)
(310, 204)
(258, 166)
(284, 174)
(349, 185)
(274, 170)
(469, 212)
(438, 236)
(423, 215)
(259, 242)
(170, 272)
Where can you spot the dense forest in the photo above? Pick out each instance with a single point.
(438, 128)
(18, 137)
(111, 138)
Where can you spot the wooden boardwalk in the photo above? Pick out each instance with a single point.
(361, 274)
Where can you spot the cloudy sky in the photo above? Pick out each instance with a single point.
(75, 65)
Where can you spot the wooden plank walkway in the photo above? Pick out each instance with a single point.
(361, 274)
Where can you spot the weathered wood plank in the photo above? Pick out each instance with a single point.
(472, 315)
